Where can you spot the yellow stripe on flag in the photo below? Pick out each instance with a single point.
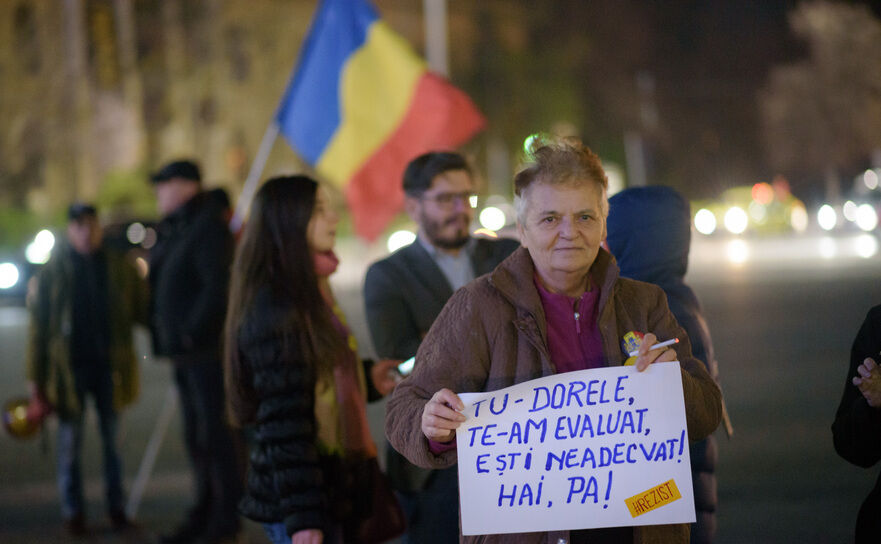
(653, 498)
(376, 90)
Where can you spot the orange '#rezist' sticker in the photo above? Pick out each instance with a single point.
(655, 497)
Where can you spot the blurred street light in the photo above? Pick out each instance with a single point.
(136, 233)
(399, 239)
(39, 250)
(870, 178)
(492, 218)
(8, 275)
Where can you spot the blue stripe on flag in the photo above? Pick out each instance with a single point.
(309, 112)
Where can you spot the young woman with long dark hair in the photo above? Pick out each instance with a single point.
(292, 372)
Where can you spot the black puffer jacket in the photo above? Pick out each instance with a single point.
(856, 431)
(288, 480)
(649, 232)
(189, 275)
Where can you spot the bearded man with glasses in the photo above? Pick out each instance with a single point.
(406, 291)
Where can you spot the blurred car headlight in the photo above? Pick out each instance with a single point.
(758, 212)
(867, 217)
(826, 217)
(705, 221)
(9, 275)
(849, 211)
(798, 217)
(736, 220)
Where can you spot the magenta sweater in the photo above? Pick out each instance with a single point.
(574, 339)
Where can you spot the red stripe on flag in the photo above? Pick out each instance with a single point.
(441, 117)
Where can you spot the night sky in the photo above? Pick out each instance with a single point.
(709, 61)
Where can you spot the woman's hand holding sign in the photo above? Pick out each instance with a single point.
(440, 417)
(442, 414)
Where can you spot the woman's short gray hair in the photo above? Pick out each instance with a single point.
(558, 161)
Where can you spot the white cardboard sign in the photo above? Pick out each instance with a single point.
(594, 448)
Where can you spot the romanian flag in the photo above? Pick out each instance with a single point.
(362, 104)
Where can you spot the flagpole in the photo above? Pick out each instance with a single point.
(250, 186)
(436, 36)
(150, 453)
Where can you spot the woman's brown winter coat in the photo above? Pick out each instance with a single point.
(493, 334)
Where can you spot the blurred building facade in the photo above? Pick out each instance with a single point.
(95, 93)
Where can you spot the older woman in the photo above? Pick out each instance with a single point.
(555, 305)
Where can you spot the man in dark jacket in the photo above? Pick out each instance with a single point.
(189, 273)
(856, 431)
(406, 291)
(86, 302)
(649, 233)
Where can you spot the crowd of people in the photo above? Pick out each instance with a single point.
(561, 266)
(272, 388)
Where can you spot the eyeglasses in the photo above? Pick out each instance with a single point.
(448, 200)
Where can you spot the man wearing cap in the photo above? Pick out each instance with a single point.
(87, 299)
(189, 273)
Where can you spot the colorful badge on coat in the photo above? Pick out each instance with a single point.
(631, 342)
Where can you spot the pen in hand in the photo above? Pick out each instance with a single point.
(659, 345)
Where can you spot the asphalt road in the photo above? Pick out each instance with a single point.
(782, 330)
(782, 326)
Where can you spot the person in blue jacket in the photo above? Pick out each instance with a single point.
(649, 233)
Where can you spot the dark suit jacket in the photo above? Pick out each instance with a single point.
(403, 294)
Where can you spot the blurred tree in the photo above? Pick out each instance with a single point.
(125, 195)
(823, 114)
(99, 92)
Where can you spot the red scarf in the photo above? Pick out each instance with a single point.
(355, 436)
(325, 263)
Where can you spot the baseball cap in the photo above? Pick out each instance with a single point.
(178, 169)
(78, 210)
